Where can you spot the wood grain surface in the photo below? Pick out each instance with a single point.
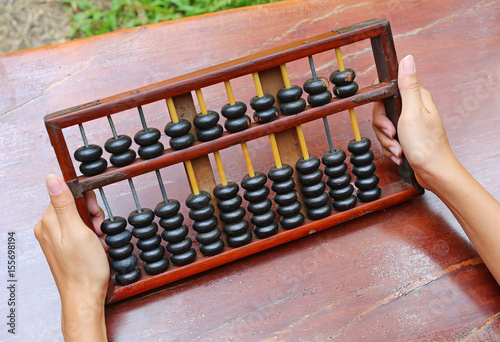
(407, 273)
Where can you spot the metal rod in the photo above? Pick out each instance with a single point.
(113, 128)
(134, 194)
(162, 187)
(84, 136)
(143, 119)
(313, 69)
(106, 204)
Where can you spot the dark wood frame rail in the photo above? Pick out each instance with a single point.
(377, 30)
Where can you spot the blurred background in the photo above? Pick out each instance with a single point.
(26, 24)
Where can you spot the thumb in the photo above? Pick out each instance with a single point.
(408, 84)
(62, 200)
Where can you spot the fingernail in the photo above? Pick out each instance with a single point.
(54, 185)
(387, 132)
(394, 151)
(409, 65)
(396, 160)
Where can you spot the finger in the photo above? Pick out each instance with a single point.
(380, 121)
(62, 201)
(92, 205)
(375, 81)
(409, 86)
(428, 101)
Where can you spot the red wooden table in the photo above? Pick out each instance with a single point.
(407, 273)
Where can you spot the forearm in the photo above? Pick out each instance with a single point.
(475, 209)
(82, 319)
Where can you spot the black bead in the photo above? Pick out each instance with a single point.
(283, 187)
(311, 178)
(266, 115)
(362, 159)
(335, 171)
(121, 252)
(182, 142)
(364, 171)
(289, 210)
(260, 207)
(143, 138)
(180, 246)
(113, 227)
(93, 168)
(240, 240)
(123, 159)
(295, 107)
(262, 103)
(358, 147)
(145, 232)
(153, 254)
(292, 221)
(334, 158)
(309, 165)
(286, 198)
(213, 248)
(345, 204)
(237, 110)
(226, 191)
(280, 174)
(268, 230)
(118, 145)
(316, 86)
(236, 228)
(237, 125)
(256, 195)
(202, 214)
(341, 78)
(175, 235)
(128, 278)
(206, 121)
(339, 182)
(88, 154)
(156, 267)
(148, 244)
(369, 195)
(205, 225)
(319, 99)
(316, 202)
(211, 133)
(184, 258)
(151, 151)
(141, 219)
(342, 193)
(366, 183)
(345, 91)
(178, 129)
(168, 209)
(319, 213)
(232, 216)
(313, 190)
(198, 201)
(255, 182)
(230, 204)
(124, 265)
(290, 94)
(171, 222)
(118, 240)
(263, 219)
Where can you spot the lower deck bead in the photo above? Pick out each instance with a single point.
(121, 252)
(184, 258)
(292, 221)
(180, 246)
(153, 254)
(213, 248)
(345, 204)
(240, 240)
(156, 267)
(316, 202)
(319, 213)
(263, 232)
(369, 195)
(128, 278)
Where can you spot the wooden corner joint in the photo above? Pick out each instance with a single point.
(76, 188)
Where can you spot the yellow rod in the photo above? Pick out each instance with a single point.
(302, 142)
(171, 109)
(220, 168)
(258, 85)
(354, 123)
(229, 91)
(286, 78)
(276, 153)
(192, 177)
(352, 114)
(201, 101)
(340, 61)
(248, 161)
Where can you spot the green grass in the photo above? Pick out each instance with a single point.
(91, 19)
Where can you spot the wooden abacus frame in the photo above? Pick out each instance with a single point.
(377, 30)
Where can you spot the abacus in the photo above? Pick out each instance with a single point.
(222, 227)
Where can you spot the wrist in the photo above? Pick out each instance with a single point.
(82, 317)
